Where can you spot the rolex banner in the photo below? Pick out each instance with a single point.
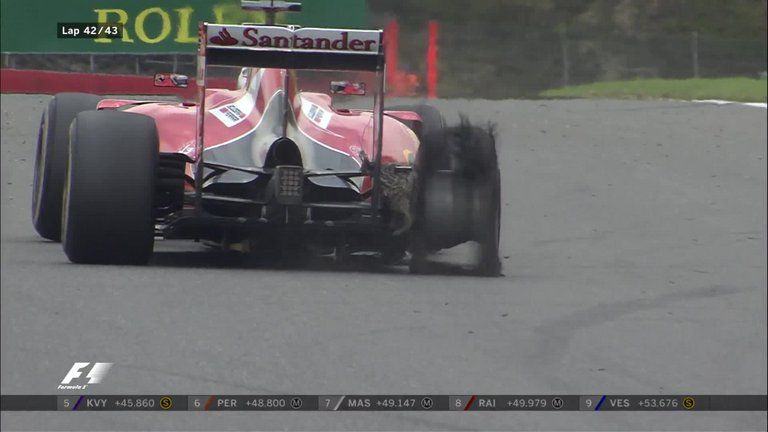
(145, 26)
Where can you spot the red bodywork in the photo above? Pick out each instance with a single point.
(249, 119)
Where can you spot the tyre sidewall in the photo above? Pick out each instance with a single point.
(108, 205)
(51, 160)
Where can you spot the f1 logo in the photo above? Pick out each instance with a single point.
(95, 375)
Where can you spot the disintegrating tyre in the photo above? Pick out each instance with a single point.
(489, 225)
(431, 156)
(459, 204)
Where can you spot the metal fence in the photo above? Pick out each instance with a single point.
(123, 63)
(476, 61)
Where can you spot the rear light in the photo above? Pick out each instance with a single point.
(289, 181)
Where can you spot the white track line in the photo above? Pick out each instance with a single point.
(725, 102)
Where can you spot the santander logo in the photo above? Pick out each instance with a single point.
(224, 38)
(265, 37)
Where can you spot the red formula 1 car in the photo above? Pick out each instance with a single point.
(270, 166)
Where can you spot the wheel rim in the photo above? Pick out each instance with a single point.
(65, 193)
(40, 159)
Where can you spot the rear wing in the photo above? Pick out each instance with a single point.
(292, 48)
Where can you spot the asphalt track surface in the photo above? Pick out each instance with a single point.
(634, 251)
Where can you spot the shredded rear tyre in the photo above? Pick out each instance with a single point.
(460, 202)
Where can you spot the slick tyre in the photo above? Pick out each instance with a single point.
(109, 187)
(51, 160)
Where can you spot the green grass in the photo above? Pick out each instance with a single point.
(732, 89)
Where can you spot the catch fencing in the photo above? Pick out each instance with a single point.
(479, 61)
(474, 60)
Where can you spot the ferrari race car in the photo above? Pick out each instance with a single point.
(269, 166)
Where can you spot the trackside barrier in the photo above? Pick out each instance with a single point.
(50, 82)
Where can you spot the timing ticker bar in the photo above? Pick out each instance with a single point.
(738, 403)
(514, 403)
(644, 403)
(252, 403)
(673, 403)
(383, 403)
(122, 403)
(27, 403)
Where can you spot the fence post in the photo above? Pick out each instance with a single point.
(566, 58)
(175, 62)
(391, 43)
(695, 53)
(92, 66)
(432, 68)
(137, 64)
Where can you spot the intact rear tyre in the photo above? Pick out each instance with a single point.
(51, 160)
(109, 188)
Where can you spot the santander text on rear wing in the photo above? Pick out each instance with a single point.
(292, 48)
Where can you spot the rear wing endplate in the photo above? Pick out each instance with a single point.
(293, 48)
